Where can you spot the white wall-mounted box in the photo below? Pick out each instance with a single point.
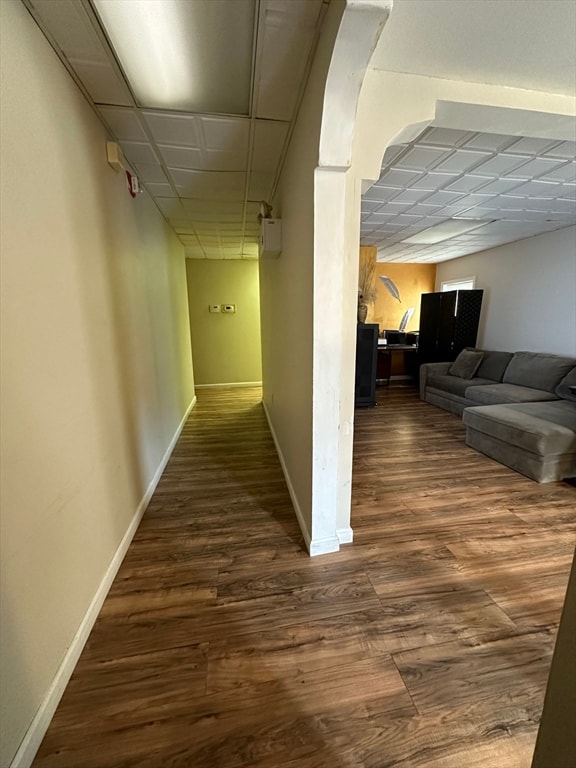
(270, 245)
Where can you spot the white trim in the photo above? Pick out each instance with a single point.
(295, 504)
(314, 546)
(445, 285)
(39, 725)
(345, 535)
(229, 384)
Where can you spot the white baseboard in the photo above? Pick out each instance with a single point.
(229, 385)
(324, 546)
(345, 535)
(39, 725)
(295, 504)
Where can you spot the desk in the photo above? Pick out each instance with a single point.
(387, 354)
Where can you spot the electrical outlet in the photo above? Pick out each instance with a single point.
(214, 308)
(229, 308)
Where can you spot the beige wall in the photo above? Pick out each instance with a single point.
(226, 347)
(96, 368)
(286, 292)
(529, 297)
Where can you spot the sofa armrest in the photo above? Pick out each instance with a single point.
(426, 369)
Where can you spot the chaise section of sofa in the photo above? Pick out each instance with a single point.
(522, 413)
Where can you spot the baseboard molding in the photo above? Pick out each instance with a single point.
(295, 504)
(35, 733)
(229, 385)
(324, 546)
(345, 535)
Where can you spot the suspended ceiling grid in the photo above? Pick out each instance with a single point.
(206, 172)
(511, 187)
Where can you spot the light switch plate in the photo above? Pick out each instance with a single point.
(214, 308)
(229, 308)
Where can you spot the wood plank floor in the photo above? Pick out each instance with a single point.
(426, 643)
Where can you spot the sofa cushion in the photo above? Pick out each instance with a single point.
(537, 370)
(563, 389)
(493, 394)
(541, 428)
(454, 384)
(493, 365)
(466, 364)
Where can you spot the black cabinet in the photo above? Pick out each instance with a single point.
(448, 323)
(366, 361)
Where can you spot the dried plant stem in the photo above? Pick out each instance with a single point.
(367, 278)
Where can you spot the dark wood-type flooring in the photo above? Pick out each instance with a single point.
(426, 643)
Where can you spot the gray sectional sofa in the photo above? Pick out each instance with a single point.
(519, 408)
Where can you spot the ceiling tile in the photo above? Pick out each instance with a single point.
(169, 128)
(420, 158)
(444, 137)
(467, 183)
(391, 153)
(411, 196)
(225, 134)
(182, 157)
(138, 152)
(563, 173)
(537, 189)
(124, 123)
(491, 142)
(260, 186)
(565, 150)
(529, 146)
(269, 139)
(499, 165)
(151, 173)
(209, 185)
(160, 190)
(397, 177)
(433, 181)
(287, 40)
(537, 167)
(462, 160)
(498, 186)
(443, 198)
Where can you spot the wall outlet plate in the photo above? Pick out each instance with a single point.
(229, 308)
(214, 308)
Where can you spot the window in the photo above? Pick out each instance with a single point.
(463, 284)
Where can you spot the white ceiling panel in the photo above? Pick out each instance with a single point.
(209, 185)
(492, 142)
(260, 186)
(151, 173)
(124, 123)
(139, 152)
(227, 134)
(288, 35)
(462, 160)
(433, 181)
(421, 158)
(445, 137)
(168, 128)
(468, 183)
(269, 139)
(160, 190)
(563, 173)
(529, 146)
(537, 167)
(102, 82)
(183, 157)
(565, 150)
(500, 165)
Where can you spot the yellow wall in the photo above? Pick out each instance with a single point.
(226, 347)
(412, 280)
(96, 368)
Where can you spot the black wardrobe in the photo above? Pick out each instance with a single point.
(366, 359)
(448, 324)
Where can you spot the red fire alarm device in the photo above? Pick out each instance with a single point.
(133, 186)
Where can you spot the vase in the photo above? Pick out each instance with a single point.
(362, 312)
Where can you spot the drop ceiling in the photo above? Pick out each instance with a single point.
(206, 164)
(500, 188)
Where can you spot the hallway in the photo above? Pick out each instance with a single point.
(426, 643)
